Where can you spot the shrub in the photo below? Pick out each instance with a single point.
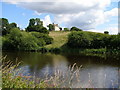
(45, 37)
(79, 40)
(88, 40)
(18, 40)
(75, 29)
(66, 29)
(106, 32)
(99, 40)
(114, 42)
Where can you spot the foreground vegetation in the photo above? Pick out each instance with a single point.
(13, 78)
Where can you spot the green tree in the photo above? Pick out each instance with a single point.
(51, 27)
(66, 29)
(75, 29)
(37, 26)
(106, 32)
(38, 22)
(3, 25)
(32, 22)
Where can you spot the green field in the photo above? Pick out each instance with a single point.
(59, 39)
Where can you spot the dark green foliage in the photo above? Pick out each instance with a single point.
(32, 22)
(15, 39)
(5, 26)
(45, 37)
(44, 30)
(55, 50)
(51, 27)
(35, 25)
(93, 40)
(79, 40)
(99, 40)
(18, 40)
(43, 50)
(114, 42)
(106, 32)
(38, 22)
(66, 29)
(75, 29)
(37, 28)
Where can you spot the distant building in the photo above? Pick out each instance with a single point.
(56, 27)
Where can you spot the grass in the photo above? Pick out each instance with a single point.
(59, 37)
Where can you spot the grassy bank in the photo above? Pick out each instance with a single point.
(60, 39)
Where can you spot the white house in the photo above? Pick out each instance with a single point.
(56, 27)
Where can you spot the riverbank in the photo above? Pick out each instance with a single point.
(60, 39)
(59, 45)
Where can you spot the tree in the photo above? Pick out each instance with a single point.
(38, 22)
(106, 32)
(32, 22)
(4, 25)
(37, 26)
(66, 29)
(51, 27)
(75, 29)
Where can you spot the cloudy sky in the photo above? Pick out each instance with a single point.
(90, 15)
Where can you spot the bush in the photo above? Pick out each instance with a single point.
(79, 40)
(18, 40)
(45, 37)
(75, 29)
(37, 28)
(114, 42)
(88, 40)
(66, 29)
(99, 40)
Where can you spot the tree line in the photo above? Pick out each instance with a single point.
(92, 40)
(34, 37)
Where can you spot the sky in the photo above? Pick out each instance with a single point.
(89, 15)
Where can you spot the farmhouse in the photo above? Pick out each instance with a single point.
(56, 27)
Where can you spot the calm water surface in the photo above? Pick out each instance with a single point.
(95, 71)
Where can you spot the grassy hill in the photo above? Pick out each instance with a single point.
(60, 38)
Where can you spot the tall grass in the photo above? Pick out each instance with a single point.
(13, 78)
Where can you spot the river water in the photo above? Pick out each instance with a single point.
(95, 71)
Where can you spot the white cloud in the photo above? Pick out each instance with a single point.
(113, 12)
(46, 20)
(37, 13)
(111, 30)
(85, 14)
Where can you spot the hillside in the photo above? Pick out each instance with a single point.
(59, 37)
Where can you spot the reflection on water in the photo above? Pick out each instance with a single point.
(95, 72)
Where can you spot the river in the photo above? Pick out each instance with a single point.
(95, 71)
